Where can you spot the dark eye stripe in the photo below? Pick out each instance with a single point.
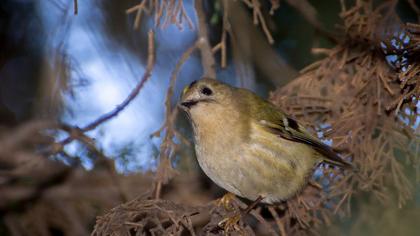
(192, 83)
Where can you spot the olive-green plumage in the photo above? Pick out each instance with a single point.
(248, 146)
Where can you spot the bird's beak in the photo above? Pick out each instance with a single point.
(187, 104)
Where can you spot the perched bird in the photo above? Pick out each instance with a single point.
(248, 146)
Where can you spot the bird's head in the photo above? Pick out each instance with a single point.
(206, 99)
(204, 93)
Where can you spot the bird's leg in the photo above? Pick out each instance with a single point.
(231, 222)
(252, 205)
(226, 200)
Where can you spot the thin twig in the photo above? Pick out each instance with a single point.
(76, 8)
(279, 221)
(106, 117)
(77, 134)
(167, 146)
(258, 18)
(139, 8)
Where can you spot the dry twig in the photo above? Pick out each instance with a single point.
(133, 94)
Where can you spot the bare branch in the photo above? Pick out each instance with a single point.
(139, 8)
(207, 59)
(147, 74)
(76, 8)
(168, 147)
(259, 18)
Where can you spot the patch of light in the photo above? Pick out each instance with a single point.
(111, 74)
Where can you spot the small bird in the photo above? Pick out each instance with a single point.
(248, 146)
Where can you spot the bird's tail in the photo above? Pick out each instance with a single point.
(332, 158)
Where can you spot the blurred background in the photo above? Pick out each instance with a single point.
(64, 64)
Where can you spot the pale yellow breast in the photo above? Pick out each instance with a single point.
(249, 161)
(218, 142)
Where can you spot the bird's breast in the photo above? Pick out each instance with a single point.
(218, 152)
(249, 161)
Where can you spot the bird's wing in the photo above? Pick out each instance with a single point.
(295, 133)
(286, 127)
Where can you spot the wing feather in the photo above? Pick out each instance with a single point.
(280, 124)
(298, 135)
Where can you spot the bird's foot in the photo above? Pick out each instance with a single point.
(230, 223)
(226, 201)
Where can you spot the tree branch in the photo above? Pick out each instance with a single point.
(207, 59)
(76, 8)
(131, 96)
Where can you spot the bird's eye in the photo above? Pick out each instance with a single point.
(206, 91)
